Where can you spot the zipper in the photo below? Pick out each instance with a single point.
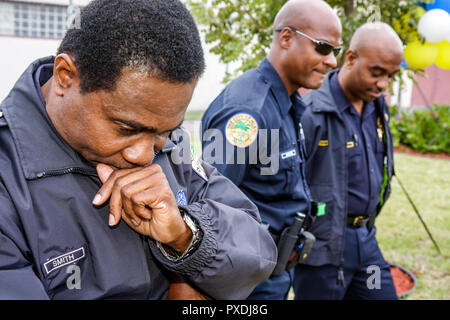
(58, 172)
(302, 148)
(340, 281)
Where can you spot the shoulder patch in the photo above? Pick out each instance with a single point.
(241, 130)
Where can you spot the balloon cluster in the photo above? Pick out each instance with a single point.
(434, 26)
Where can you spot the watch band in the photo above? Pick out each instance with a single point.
(197, 236)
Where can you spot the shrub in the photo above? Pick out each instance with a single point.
(423, 130)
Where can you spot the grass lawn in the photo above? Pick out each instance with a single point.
(402, 237)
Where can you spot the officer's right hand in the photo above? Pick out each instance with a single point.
(142, 197)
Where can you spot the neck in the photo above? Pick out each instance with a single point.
(45, 89)
(279, 69)
(358, 103)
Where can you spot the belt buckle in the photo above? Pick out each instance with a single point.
(356, 219)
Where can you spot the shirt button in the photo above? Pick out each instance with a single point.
(371, 171)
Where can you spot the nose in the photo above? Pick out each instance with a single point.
(140, 152)
(330, 60)
(383, 83)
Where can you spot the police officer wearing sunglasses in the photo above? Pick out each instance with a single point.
(305, 40)
(350, 165)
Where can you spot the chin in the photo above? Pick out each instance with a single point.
(314, 84)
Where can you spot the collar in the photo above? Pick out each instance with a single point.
(269, 74)
(342, 102)
(40, 148)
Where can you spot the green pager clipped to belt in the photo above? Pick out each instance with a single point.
(321, 209)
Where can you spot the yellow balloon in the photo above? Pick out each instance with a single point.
(420, 56)
(443, 57)
(402, 27)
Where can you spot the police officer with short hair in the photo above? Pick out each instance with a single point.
(96, 200)
(349, 167)
(258, 115)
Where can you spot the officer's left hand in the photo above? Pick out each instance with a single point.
(143, 199)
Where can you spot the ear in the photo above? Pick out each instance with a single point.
(350, 57)
(65, 73)
(285, 38)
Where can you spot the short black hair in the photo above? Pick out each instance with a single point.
(155, 36)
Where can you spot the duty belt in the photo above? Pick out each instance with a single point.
(357, 221)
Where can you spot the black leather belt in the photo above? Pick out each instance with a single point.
(357, 221)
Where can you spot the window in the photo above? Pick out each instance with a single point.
(32, 20)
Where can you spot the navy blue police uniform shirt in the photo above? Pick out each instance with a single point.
(365, 149)
(260, 97)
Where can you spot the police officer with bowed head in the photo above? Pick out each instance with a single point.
(95, 202)
(349, 167)
(259, 113)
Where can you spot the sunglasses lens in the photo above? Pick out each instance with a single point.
(336, 51)
(325, 49)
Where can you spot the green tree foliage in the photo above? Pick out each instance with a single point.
(240, 31)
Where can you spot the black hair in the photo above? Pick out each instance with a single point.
(158, 37)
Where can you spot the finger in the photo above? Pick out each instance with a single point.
(132, 204)
(104, 192)
(143, 212)
(104, 171)
(123, 189)
(157, 198)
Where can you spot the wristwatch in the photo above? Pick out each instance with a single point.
(197, 236)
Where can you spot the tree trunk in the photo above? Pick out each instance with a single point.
(349, 6)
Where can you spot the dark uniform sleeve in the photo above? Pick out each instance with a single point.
(17, 277)
(236, 253)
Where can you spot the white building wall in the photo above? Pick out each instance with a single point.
(17, 53)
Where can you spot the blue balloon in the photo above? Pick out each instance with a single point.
(404, 63)
(438, 4)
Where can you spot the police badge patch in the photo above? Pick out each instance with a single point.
(241, 130)
(181, 198)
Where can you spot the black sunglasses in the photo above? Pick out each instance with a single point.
(322, 47)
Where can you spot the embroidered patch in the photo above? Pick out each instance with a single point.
(181, 198)
(241, 130)
(198, 168)
(323, 143)
(289, 154)
(64, 259)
